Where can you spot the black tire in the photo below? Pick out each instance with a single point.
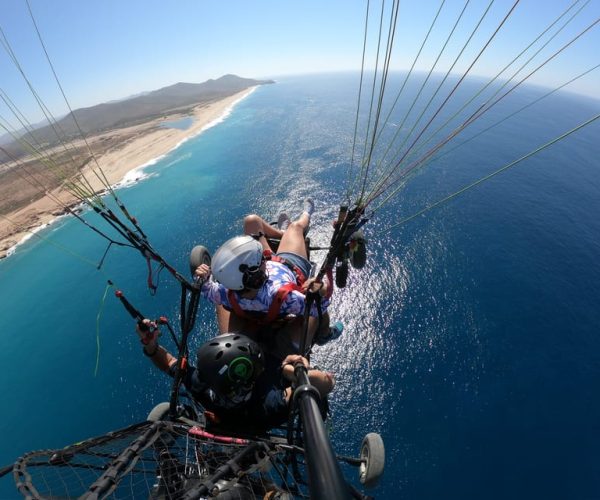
(199, 255)
(159, 412)
(358, 256)
(372, 454)
(341, 274)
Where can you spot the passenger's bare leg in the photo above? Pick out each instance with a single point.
(313, 324)
(292, 333)
(293, 238)
(253, 224)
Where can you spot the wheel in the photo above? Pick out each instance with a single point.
(159, 412)
(198, 255)
(372, 455)
(341, 274)
(358, 250)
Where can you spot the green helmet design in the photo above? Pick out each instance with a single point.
(230, 364)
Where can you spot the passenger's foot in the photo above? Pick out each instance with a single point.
(333, 333)
(309, 206)
(283, 221)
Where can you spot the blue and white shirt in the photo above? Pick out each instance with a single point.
(278, 275)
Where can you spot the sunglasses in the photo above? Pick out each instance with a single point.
(253, 276)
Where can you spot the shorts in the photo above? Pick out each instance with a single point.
(297, 260)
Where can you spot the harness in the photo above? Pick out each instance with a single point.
(300, 278)
(274, 309)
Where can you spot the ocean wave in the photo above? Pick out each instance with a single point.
(225, 114)
(30, 234)
(134, 176)
(52, 223)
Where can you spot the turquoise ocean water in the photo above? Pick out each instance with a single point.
(472, 336)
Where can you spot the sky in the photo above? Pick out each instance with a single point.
(111, 49)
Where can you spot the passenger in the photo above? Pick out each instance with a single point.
(268, 291)
(235, 380)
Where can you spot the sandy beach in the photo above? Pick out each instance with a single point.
(138, 146)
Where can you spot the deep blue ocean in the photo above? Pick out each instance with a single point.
(472, 337)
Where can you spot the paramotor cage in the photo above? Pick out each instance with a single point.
(163, 460)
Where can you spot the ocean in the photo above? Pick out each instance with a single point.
(471, 339)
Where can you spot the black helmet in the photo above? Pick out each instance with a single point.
(230, 364)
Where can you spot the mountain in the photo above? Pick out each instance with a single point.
(140, 108)
(159, 102)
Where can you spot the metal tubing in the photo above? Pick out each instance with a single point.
(325, 477)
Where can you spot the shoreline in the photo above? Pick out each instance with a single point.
(123, 166)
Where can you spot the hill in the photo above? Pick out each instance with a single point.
(174, 98)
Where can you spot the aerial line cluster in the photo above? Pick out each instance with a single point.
(395, 134)
(74, 167)
(383, 162)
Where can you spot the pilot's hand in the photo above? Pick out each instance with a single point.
(148, 332)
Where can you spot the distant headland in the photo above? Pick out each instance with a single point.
(122, 135)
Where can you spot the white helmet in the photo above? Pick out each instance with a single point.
(236, 264)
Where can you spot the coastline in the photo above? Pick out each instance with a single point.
(121, 165)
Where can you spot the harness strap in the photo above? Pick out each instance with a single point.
(300, 277)
(278, 301)
(149, 280)
(280, 296)
(329, 275)
(274, 308)
(235, 305)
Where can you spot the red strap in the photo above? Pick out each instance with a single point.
(330, 280)
(278, 301)
(274, 309)
(200, 432)
(151, 285)
(300, 278)
(280, 295)
(235, 305)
